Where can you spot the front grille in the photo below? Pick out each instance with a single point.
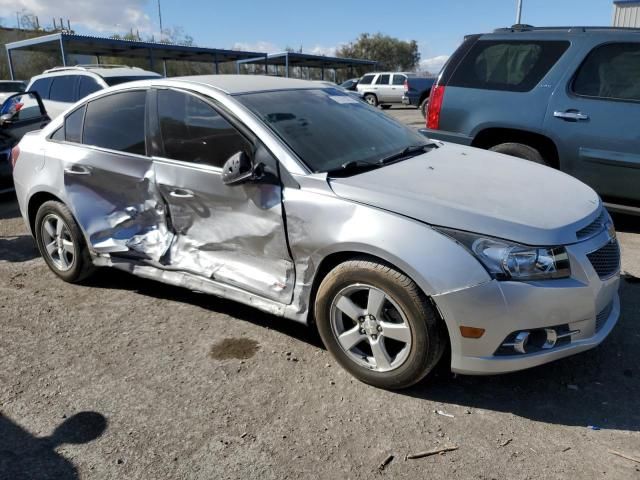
(593, 228)
(606, 260)
(602, 317)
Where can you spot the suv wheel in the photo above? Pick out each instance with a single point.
(371, 99)
(378, 324)
(61, 243)
(521, 151)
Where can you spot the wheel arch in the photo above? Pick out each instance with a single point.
(35, 202)
(492, 136)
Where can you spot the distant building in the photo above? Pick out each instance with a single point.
(626, 13)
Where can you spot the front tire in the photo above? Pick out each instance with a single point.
(61, 242)
(520, 150)
(378, 324)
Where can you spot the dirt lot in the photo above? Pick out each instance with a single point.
(127, 378)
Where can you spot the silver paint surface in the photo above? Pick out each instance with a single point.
(262, 244)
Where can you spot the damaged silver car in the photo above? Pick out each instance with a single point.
(301, 201)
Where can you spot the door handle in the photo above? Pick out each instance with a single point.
(181, 193)
(575, 116)
(77, 170)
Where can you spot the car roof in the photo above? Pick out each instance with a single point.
(237, 84)
(564, 29)
(104, 71)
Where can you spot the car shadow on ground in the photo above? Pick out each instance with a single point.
(115, 279)
(596, 388)
(24, 456)
(21, 248)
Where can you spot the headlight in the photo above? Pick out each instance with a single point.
(510, 261)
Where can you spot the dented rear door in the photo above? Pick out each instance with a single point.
(109, 179)
(233, 235)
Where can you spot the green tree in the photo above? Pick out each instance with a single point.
(390, 53)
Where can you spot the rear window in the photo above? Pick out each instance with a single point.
(88, 86)
(73, 125)
(8, 87)
(63, 89)
(42, 86)
(366, 80)
(515, 66)
(610, 71)
(116, 122)
(383, 80)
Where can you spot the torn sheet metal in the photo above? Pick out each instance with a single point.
(120, 209)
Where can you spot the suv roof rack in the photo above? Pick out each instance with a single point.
(571, 29)
(89, 66)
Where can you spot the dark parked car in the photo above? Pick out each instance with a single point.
(350, 84)
(567, 97)
(417, 91)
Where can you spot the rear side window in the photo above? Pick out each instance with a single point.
(610, 71)
(42, 86)
(515, 66)
(193, 131)
(116, 122)
(73, 125)
(383, 80)
(366, 80)
(63, 89)
(399, 79)
(88, 85)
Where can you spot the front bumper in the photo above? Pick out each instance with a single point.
(502, 308)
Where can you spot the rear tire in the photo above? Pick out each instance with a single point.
(403, 337)
(520, 150)
(371, 99)
(61, 242)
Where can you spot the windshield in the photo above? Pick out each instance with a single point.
(111, 81)
(6, 87)
(328, 128)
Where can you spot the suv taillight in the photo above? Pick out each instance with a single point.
(15, 153)
(406, 85)
(435, 107)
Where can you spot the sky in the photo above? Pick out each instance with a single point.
(317, 27)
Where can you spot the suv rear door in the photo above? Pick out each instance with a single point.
(594, 116)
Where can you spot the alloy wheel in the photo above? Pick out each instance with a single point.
(58, 242)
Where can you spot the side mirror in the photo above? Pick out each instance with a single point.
(237, 169)
(5, 119)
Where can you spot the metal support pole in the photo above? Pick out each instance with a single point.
(164, 67)
(266, 64)
(321, 73)
(286, 65)
(238, 68)
(98, 59)
(64, 59)
(519, 13)
(10, 63)
(215, 61)
(151, 59)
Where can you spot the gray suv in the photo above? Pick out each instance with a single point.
(566, 97)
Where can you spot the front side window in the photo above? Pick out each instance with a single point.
(366, 80)
(610, 71)
(328, 129)
(63, 88)
(116, 122)
(73, 125)
(399, 79)
(383, 79)
(516, 66)
(193, 131)
(87, 86)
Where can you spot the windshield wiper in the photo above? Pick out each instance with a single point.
(353, 167)
(410, 151)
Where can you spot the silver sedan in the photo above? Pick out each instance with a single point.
(299, 200)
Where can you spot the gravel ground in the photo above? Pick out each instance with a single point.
(127, 378)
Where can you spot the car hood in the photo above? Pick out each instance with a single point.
(479, 191)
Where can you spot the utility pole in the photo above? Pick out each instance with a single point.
(518, 14)
(160, 18)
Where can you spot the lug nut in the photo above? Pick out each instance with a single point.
(374, 336)
(379, 328)
(362, 331)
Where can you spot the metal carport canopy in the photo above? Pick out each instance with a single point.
(66, 44)
(294, 59)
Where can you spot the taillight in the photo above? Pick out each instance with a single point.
(435, 107)
(15, 153)
(406, 85)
